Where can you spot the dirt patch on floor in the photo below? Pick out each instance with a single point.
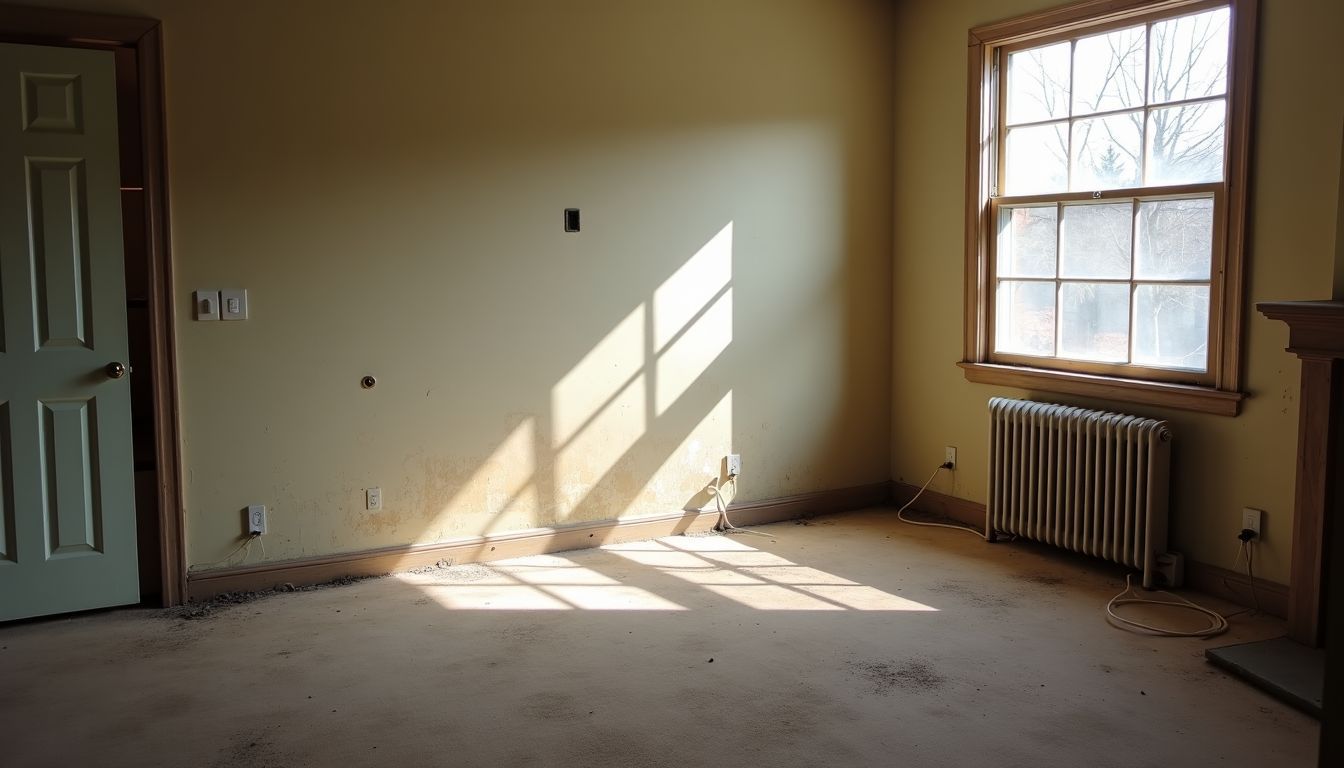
(461, 574)
(887, 676)
(205, 609)
(1043, 580)
(966, 591)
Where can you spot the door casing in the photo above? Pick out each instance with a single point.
(139, 43)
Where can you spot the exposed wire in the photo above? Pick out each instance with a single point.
(1250, 573)
(1218, 626)
(900, 513)
(726, 525)
(1244, 550)
(247, 544)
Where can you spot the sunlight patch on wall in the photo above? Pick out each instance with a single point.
(680, 482)
(500, 489)
(690, 355)
(608, 369)
(693, 318)
(599, 412)
(681, 296)
(601, 407)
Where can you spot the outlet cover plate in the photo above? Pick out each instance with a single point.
(734, 464)
(256, 519)
(373, 499)
(1251, 518)
(950, 455)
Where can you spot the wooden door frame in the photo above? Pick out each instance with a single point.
(42, 26)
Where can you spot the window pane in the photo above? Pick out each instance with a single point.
(1108, 71)
(1026, 246)
(1038, 84)
(1185, 144)
(1025, 322)
(1094, 240)
(1094, 322)
(1106, 152)
(1171, 326)
(1175, 240)
(1189, 57)
(1037, 159)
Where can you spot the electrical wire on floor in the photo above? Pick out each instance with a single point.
(900, 513)
(1217, 626)
(725, 525)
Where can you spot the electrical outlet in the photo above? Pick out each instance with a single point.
(373, 499)
(950, 456)
(734, 464)
(1170, 569)
(256, 519)
(1250, 519)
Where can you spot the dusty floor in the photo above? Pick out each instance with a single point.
(853, 640)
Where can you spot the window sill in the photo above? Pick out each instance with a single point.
(1183, 396)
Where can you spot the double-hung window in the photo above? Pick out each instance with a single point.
(1106, 197)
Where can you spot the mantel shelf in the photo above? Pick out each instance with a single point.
(1315, 328)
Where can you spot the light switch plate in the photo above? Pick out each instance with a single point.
(233, 304)
(207, 305)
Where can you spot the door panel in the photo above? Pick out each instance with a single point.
(61, 289)
(66, 487)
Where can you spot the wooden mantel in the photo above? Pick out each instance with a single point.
(1316, 335)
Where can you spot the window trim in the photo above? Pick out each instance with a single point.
(1218, 391)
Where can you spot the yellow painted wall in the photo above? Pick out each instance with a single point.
(387, 179)
(1220, 464)
(1339, 237)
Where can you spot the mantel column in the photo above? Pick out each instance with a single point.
(1316, 336)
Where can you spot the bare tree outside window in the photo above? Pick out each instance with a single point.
(1119, 279)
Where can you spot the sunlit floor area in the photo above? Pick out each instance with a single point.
(851, 640)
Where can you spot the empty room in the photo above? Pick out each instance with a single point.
(671, 383)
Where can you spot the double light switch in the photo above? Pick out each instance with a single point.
(229, 304)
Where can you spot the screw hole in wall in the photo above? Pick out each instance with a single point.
(368, 382)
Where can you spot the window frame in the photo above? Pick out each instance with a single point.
(1218, 389)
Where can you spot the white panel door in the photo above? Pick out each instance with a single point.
(67, 506)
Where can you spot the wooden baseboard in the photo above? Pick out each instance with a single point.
(1236, 588)
(203, 585)
(1209, 579)
(966, 512)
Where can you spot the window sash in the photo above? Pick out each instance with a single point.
(1213, 362)
(999, 105)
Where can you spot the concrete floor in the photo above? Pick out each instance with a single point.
(852, 640)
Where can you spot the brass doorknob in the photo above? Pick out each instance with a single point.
(116, 370)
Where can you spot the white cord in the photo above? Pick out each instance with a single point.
(1218, 627)
(725, 524)
(900, 513)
